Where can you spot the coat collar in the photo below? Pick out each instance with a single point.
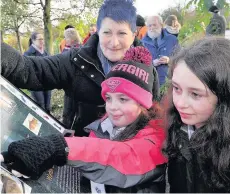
(32, 49)
(89, 51)
(105, 126)
(35, 51)
(184, 144)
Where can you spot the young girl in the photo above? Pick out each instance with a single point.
(199, 118)
(123, 151)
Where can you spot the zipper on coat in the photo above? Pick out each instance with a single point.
(92, 64)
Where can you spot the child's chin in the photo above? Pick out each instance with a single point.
(117, 123)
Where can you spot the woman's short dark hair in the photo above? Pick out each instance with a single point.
(119, 11)
(209, 60)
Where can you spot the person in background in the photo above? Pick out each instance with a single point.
(63, 41)
(198, 118)
(217, 25)
(92, 30)
(141, 27)
(124, 151)
(36, 48)
(80, 71)
(161, 45)
(172, 25)
(73, 39)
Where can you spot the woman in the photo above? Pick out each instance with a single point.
(198, 144)
(80, 72)
(123, 153)
(36, 48)
(172, 25)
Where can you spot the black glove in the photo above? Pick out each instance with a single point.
(33, 156)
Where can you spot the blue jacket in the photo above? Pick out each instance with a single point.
(166, 45)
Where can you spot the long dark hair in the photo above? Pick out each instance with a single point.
(155, 112)
(33, 37)
(209, 60)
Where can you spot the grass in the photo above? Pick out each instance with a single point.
(57, 102)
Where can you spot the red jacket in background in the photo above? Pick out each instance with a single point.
(86, 38)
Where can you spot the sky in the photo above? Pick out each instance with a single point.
(153, 7)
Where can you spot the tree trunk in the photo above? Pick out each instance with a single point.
(19, 40)
(1, 35)
(47, 27)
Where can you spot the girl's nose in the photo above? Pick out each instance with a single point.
(113, 105)
(182, 101)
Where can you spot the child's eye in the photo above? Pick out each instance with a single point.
(106, 32)
(195, 95)
(107, 98)
(176, 89)
(123, 99)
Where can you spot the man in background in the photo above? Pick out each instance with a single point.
(161, 45)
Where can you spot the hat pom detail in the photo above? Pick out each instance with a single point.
(139, 54)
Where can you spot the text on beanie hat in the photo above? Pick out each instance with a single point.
(132, 78)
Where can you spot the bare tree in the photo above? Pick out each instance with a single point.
(13, 17)
(57, 8)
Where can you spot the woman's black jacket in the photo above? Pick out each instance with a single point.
(78, 71)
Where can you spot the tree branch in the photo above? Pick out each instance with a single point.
(61, 9)
(23, 21)
(42, 4)
(17, 1)
(81, 10)
(58, 19)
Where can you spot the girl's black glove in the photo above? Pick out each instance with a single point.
(33, 156)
